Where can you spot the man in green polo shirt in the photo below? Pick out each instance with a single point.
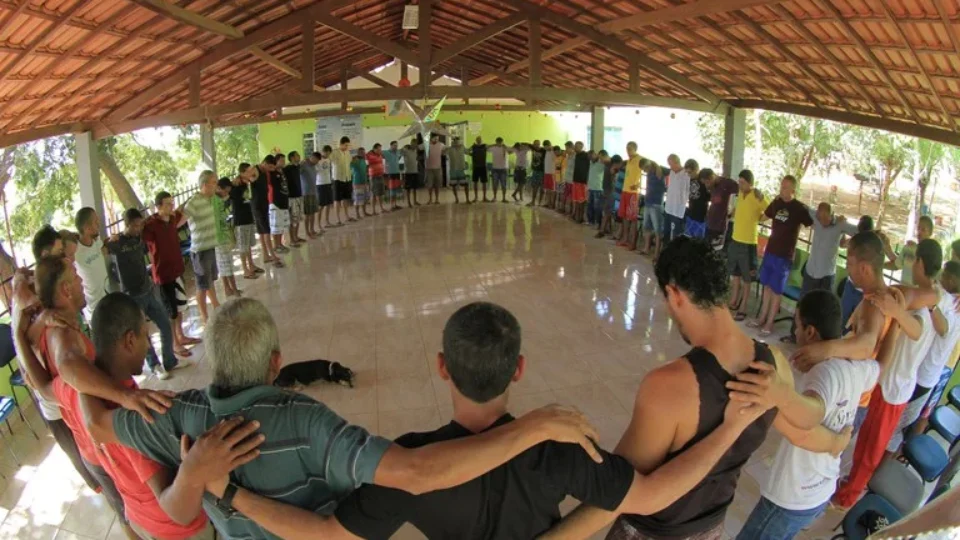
(310, 458)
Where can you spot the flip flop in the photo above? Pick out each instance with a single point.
(278, 264)
(251, 276)
(740, 317)
(764, 332)
(258, 270)
(191, 340)
(753, 324)
(183, 353)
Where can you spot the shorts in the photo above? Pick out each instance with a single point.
(520, 176)
(774, 272)
(548, 183)
(279, 220)
(628, 206)
(168, 293)
(536, 179)
(224, 260)
(579, 193)
(343, 191)
(480, 175)
(325, 195)
(244, 237)
(205, 268)
(568, 190)
(411, 181)
(361, 194)
(653, 218)
(378, 186)
(696, 229)
(499, 178)
(742, 260)
(608, 203)
(434, 178)
(261, 218)
(310, 205)
(458, 179)
(296, 210)
(394, 185)
(622, 529)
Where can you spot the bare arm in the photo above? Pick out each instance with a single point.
(441, 465)
(897, 306)
(858, 345)
(287, 521)
(36, 375)
(98, 419)
(179, 498)
(769, 387)
(940, 324)
(819, 439)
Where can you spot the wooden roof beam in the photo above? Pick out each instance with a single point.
(867, 53)
(425, 41)
(372, 78)
(221, 52)
(556, 50)
(476, 38)
(617, 46)
(947, 117)
(278, 64)
(358, 33)
(190, 18)
(788, 54)
(689, 10)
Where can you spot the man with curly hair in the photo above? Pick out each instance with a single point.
(682, 402)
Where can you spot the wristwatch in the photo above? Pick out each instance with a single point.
(225, 503)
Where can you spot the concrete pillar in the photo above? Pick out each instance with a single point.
(597, 127)
(734, 141)
(88, 173)
(208, 147)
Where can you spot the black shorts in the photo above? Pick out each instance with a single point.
(168, 293)
(343, 191)
(411, 181)
(325, 195)
(480, 174)
(261, 217)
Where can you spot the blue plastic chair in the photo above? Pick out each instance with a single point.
(8, 352)
(953, 397)
(926, 457)
(946, 422)
(853, 529)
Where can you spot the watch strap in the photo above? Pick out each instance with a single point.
(225, 503)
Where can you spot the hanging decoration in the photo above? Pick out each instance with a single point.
(425, 123)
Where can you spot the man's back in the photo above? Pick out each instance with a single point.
(516, 500)
(311, 457)
(704, 507)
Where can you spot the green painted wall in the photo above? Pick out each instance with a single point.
(512, 126)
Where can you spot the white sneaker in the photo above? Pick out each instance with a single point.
(161, 373)
(183, 363)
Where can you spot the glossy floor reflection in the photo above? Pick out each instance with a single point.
(375, 295)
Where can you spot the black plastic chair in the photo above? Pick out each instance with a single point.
(8, 352)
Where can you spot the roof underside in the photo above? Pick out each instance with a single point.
(67, 65)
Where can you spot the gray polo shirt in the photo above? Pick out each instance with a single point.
(308, 178)
(826, 245)
(311, 458)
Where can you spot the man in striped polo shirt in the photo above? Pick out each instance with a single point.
(201, 217)
(311, 457)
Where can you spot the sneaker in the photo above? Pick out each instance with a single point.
(161, 373)
(183, 364)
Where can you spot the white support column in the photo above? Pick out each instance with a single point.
(597, 127)
(734, 141)
(88, 173)
(208, 147)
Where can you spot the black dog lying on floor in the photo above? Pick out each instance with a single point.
(306, 373)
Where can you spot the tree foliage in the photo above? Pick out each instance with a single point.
(45, 174)
(148, 169)
(882, 155)
(234, 145)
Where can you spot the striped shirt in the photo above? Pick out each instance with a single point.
(203, 223)
(311, 457)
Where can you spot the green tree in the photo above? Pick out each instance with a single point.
(235, 145)
(45, 174)
(148, 170)
(881, 154)
(930, 156)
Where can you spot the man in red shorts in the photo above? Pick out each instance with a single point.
(581, 174)
(630, 198)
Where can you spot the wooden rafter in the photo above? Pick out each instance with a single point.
(425, 41)
(190, 18)
(788, 54)
(951, 124)
(372, 78)
(308, 35)
(556, 50)
(536, 52)
(697, 8)
(475, 38)
(867, 53)
(825, 52)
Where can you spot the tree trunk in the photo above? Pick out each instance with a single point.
(7, 263)
(805, 162)
(125, 193)
(889, 177)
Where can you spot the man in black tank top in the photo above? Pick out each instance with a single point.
(682, 402)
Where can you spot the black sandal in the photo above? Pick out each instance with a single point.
(740, 316)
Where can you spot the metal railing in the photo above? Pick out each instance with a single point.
(115, 227)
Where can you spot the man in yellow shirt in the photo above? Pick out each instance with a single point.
(742, 252)
(629, 198)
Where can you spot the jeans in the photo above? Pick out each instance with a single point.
(770, 522)
(594, 206)
(154, 310)
(673, 227)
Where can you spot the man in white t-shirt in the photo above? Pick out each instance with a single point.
(434, 169)
(678, 192)
(91, 262)
(816, 420)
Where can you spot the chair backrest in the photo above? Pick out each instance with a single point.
(7, 350)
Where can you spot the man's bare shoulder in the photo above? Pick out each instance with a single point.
(673, 381)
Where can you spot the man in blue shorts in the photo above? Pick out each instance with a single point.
(788, 215)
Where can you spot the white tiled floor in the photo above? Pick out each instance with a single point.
(374, 296)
